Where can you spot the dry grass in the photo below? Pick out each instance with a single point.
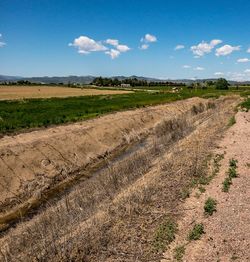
(115, 215)
(22, 92)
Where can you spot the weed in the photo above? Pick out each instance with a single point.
(202, 189)
(196, 232)
(232, 172)
(226, 184)
(165, 234)
(233, 163)
(210, 206)
(185, 193)
(232, 121)
(179, 252)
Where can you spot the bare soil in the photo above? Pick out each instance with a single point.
(22, 92)
(227, 235)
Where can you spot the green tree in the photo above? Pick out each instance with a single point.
(222, 83)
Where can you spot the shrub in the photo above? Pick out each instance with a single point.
(231, 121)
(196, 232)
(226, 184)
(221, 84)
(165, 234)
(210, 206)
(179, 253)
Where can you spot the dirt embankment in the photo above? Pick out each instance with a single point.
(33, 164)
(152, 155)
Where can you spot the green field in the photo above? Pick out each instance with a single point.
(33, 113)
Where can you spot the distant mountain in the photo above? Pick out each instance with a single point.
(89, 79)
(9, 78)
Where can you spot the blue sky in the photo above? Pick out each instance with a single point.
(97, 37)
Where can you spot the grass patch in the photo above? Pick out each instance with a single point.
(165, 234)
(185, 193)
(179, 253)
(233, 163)
(202, 189)
(232, 173)
(232, 121)
(196, 232)
(210, 206)
(246, 104)
(226, 184)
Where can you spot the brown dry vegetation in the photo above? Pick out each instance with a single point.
(23, 92)
(111, 214)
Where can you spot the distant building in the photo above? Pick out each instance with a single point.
(125, 85)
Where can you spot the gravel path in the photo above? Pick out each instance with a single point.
(227, 236)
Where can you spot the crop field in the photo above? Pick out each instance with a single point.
(24, 92)
(16, 115)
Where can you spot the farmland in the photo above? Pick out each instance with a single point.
(27, 92)
(16, 115)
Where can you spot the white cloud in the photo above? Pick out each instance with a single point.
(204, 48)
(122, 48)
(113, 42)
(2, 44)
(198, 68)
(243, 60)
(218, 74)
(150, 38)
(247, 71)
(236, 76)
(179, 47)
(113, 53)
(226, 50)
(248, 50)
(144, 46)
(186, 66)
(86, 45)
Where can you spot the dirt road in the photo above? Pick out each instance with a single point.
(227, 236)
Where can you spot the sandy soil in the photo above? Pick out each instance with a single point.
(227, 235)
(21, 92)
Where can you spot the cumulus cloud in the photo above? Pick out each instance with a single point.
(186, 66)
(198, 68)
(144, 46)
(247, 71)
(218, 74)
(113, 53)
(204, 48)
(115, 43)
(86, 45)
(146, 40)
(150, 38)
(236, 76)
(179, 47)
(226, 50)
(243, 60)
(2, 44)
(248, 50)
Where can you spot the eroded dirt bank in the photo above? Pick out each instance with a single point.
(152, 155)
(34, 164)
